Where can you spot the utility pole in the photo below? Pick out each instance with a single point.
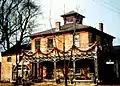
(65, 68)
(16, 61)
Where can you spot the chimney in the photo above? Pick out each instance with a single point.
(57, 26)
(101, 27)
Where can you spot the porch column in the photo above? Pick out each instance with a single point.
(96, 68)
(54, 69)
(38, 69)
(22, 67)
(33, 70)
(74, 67)
(41, 71)
(117, 69)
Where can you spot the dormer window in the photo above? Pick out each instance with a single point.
(69, 20)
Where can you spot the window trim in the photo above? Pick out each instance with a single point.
(78, 41)
(9, 59)
(48, 44)
(70, 18)
(36, 40)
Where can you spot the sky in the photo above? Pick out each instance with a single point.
(95, 11)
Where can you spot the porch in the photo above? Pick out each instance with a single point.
(81, 66)
(78, 71)
(50, 70)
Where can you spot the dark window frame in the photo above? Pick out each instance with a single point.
(69, 19)
(9, 59)
(37, 43)
(50, 43)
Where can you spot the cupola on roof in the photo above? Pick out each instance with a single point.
(72, 17)
(71, 13)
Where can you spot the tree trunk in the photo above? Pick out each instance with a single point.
(8, 43)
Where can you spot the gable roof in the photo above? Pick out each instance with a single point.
(13, 49)
(69, 28)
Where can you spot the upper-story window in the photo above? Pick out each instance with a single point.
(50, 43)
(69, 20)
(77, 40)
(37, 44)
(9, 59)
(92, 38)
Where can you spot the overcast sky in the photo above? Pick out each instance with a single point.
(95, 11)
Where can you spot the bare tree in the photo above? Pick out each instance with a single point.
(17, 18)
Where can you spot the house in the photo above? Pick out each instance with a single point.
(117, 55)
(84, 49)
(80, 51)
(8, 63)
(0, 64)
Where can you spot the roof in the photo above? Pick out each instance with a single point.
(117, 51)
(72, 13)
(69, 28)
(64, 28)
(117, 47)
(13, 49)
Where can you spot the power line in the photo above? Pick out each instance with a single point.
(111, 5)
(108, 6)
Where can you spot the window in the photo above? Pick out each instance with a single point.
(76, 40)
(92, 37)
(50, 43)
(8, 59)
(69, 19)
(37, 44)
